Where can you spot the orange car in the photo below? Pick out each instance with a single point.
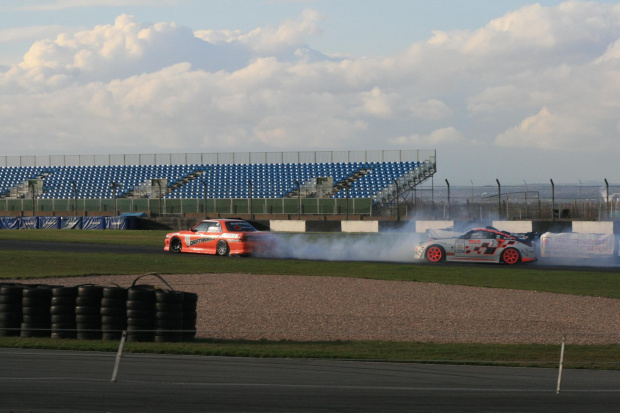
(218, 236)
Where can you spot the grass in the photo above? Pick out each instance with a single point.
(523, 355)
(28, 264)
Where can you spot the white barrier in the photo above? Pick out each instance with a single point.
(593, 227)
(360, 226)
(287, 226)
(513, 226)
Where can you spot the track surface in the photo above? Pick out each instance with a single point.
(542, 264)
(61, 381)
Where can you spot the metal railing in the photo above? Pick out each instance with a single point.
(220, 158)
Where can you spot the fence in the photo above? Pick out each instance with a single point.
(511, 202)
(163, 206)
(220, 158)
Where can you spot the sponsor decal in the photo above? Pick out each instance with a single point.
(196, 241)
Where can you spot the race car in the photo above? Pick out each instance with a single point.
(218, 236)
(486, 244)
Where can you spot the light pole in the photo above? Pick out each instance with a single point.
(448, 183)
(204, 184)
(298, 200)
(74, 196)
(499, 199)
(115, 185)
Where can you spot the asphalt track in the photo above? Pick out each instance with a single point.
(542, 264)
(67, 381)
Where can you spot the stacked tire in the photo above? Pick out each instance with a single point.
(141, 302)
(190, 315)
(88, 312)
(62, 312)
(113, 312)
(36, 316)
(10, 309)
(169, 316)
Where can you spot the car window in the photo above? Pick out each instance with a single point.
(215, 227)
(239, 226)
(202, 227)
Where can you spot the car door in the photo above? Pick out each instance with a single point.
(476, 245)
(204, 236)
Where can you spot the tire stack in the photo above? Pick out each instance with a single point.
(169, 316)
(141, 302)
(10, 309)
(88, 312)
(62, 312)
(190, 314)
(36, 316)
(113, 312)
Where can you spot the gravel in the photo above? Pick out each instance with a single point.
(279, 307)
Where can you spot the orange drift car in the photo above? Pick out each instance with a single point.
(218, 236)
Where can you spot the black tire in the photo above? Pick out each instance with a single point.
(172, 297)
(113, 320)
(63, 318)
(62, 309)
(11, 299)
(222, 249)
(88, 319)
(140, 305)
(117, 293)
(64, 291)
(143, 314)
(113, 302)
(90, 291)
(169, 315)
(113, 311)
(26, 311)
(168, 307)
(88, 301)
(176, 245)
(63, 300)
(141, 294)
(435, 254)
(10, 317)
(10, 308)
(87, 310)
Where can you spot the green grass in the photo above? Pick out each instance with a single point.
(28, 264)
(524, 355)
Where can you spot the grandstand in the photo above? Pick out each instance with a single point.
(355, 176)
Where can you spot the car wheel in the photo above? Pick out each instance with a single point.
(175, 245)
(435, 253)
(222, 248)
(511, 256)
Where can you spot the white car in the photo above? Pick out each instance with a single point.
(486, 244)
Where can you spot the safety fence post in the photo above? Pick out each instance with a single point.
(557, 390)
(118, 355)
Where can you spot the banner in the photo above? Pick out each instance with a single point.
(70, 223)
(576, 245)
(93, 223)
(48, 223)
(28, 223)
(9, 223)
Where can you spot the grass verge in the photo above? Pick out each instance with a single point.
(523, 355)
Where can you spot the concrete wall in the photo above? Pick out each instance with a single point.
(360, 226)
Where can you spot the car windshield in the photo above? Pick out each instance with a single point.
(239, 226)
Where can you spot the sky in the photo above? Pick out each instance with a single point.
(512, 90)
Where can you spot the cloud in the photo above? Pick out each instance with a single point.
(539, 77)
(437, 138)
(53, 5)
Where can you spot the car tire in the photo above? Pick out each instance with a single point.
(511, 256)
(222, 249)
(435, 254)
(176, 245)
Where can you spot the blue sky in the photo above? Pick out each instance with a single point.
(502, 89)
